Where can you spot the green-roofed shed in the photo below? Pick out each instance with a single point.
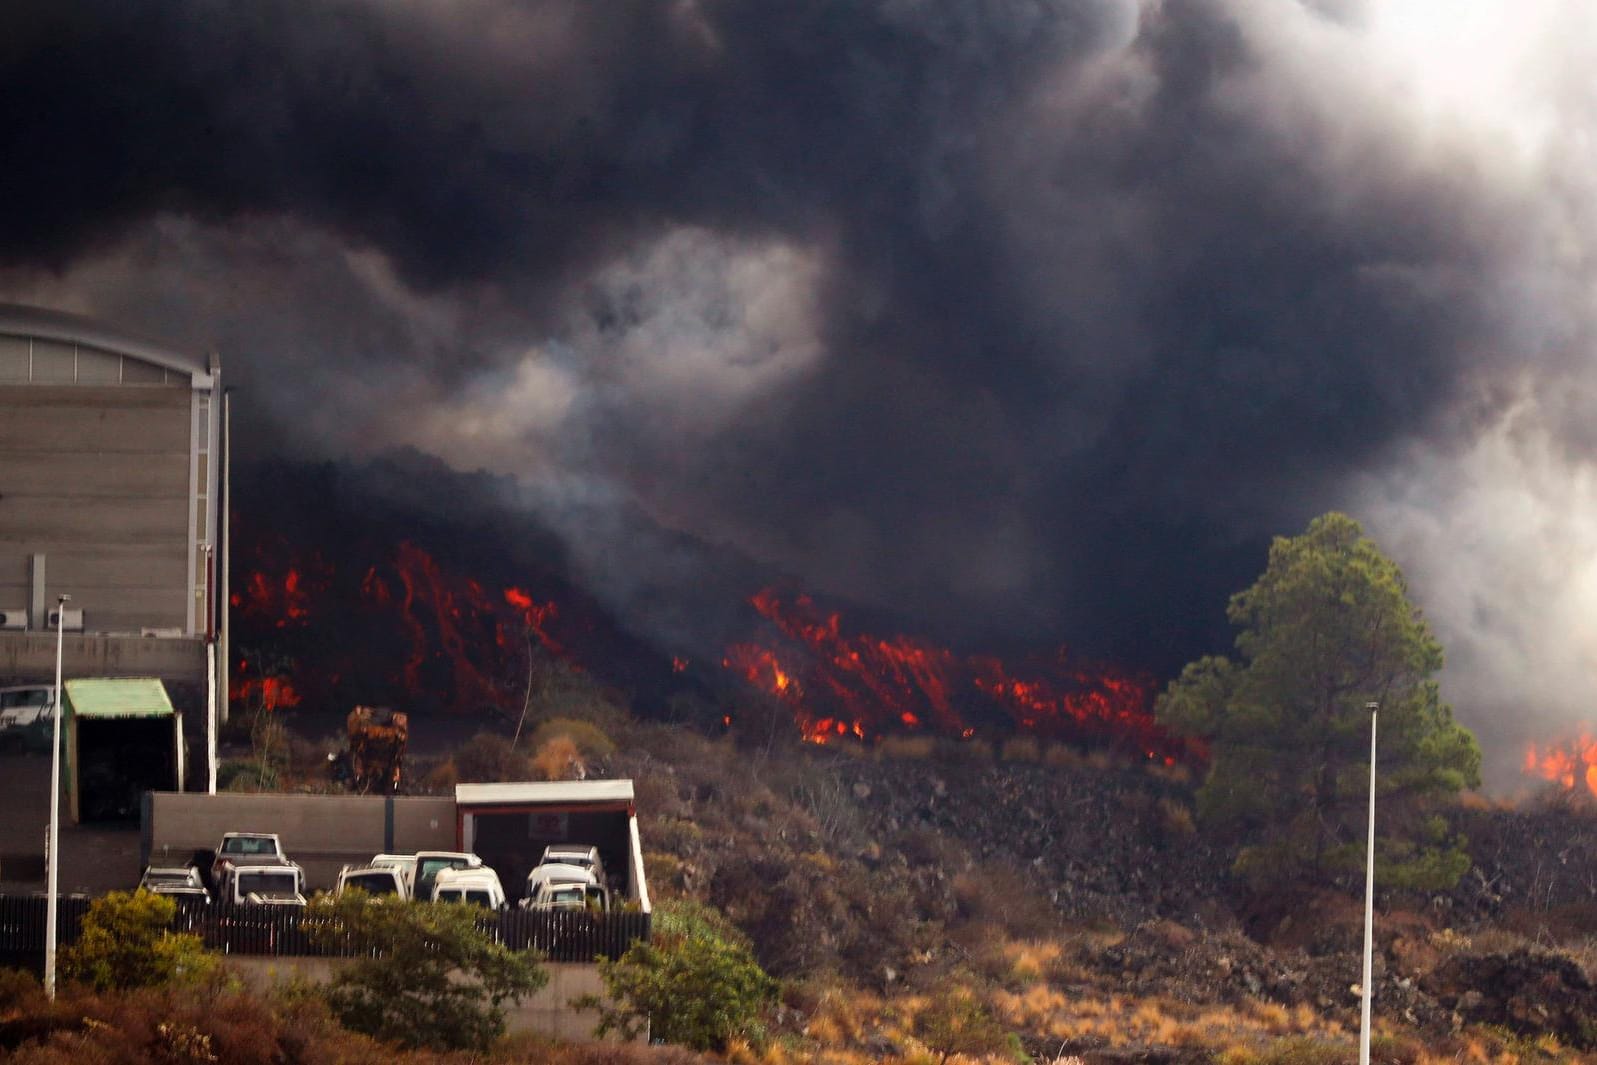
(123, 738)
(118, 697)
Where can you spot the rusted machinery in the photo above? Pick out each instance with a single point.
(377, 739)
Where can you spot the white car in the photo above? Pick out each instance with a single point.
(244, 850)
(430, 863)
(404, 864)
(479, 886)
(174, 881)
(544, 877)
(569, 895)
(378, 881)
(579, 854)
(270, 885)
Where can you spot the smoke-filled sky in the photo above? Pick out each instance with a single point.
(1029, 321)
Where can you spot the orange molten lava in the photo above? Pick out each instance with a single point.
(856, 684)
(1565, 763)
(441, 638)
(268, 693)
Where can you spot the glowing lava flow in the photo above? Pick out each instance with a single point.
(1566, 764)
(841, 684)
(407, 628)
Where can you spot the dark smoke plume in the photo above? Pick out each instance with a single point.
(1029, 320)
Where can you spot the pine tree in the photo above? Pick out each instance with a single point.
(1327, 630)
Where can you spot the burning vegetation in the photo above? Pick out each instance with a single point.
(1571, 765)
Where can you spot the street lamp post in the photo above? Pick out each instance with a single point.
(1369, 903)
(53, 844)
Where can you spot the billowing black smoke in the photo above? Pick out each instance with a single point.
(1060, 308)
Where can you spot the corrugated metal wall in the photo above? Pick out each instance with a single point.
(97, 479)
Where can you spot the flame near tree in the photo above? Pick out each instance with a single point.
(1570, 765)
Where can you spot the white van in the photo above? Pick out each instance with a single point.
(430, 863)
(479, 886)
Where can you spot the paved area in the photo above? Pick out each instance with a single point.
(94, 858)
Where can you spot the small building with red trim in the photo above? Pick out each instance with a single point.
(510, 824)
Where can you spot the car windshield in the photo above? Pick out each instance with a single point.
(262, 883)
(373, 883)
(567, 897)
(249, 845)
(430, 867)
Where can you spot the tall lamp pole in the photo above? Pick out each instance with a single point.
(1369, 903)
(53, 847)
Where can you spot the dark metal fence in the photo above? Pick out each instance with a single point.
(565, 936)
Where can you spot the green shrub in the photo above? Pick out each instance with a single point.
(957, 1022)
(695, 982)
(1301, 1050)
(487, 758)
(127, 942)
(426, 976)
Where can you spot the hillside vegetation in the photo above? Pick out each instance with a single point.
(920, 901)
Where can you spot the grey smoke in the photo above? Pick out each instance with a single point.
(1028, 321)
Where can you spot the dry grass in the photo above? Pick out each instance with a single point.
(906, 748)
(1059, 756)
(1178, 773)
(1030, 960)
(1118, 1021)
(589, 738)
(559, 759)
(1177, 818)
(1021, 749)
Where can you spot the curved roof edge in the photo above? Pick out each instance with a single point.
(76, 329)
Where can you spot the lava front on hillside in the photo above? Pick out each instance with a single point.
(398, 628)
(841, 684)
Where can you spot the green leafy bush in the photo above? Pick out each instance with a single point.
(426, 976)
(127, 942)
(957, 1022)
(695, 982)
(487, 758)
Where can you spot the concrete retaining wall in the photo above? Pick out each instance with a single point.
(547, 1012)
(321, 832)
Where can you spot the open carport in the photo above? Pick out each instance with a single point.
(509, 825)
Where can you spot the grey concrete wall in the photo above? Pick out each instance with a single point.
(29, 657)
(548, 1011)
(321, 832)
(97, 479)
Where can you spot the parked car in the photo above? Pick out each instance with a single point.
(245, 849)
(478, 885)
(430, 863)
(270, 885)
(404, 863)
(544, 879)
(567, 895)
(579, 854)
(175, 881)
(25, 722)
(378, 881)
